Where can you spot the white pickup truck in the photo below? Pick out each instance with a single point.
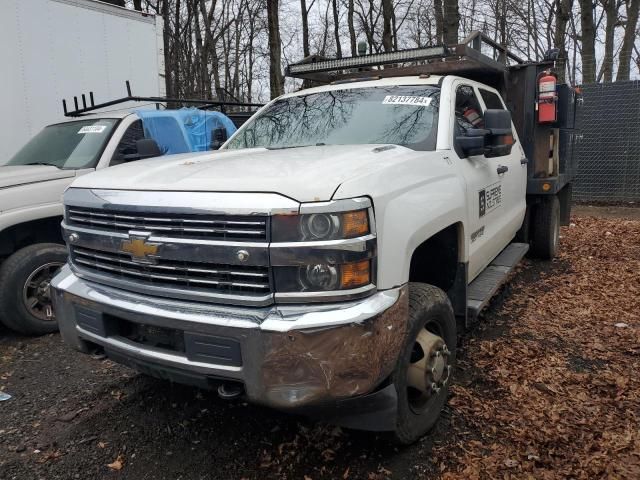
(324, 260)
(31, 187)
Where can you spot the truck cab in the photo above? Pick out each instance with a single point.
(325, 259)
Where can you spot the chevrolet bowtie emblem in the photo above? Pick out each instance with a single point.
(140, 250)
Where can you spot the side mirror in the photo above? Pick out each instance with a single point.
(500, 139)
(218, 137)
(473, 141)
(146, 148)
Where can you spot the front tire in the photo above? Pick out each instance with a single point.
(425, 366)
(25, 303)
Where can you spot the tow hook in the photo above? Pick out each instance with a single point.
(230, 391)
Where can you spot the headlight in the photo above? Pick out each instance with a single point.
(328, 247)
(323, 277)
(320, 226)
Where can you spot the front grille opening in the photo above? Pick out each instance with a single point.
(218, 227)
(206, 277)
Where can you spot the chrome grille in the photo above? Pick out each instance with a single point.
(208, 277)
(225, 227)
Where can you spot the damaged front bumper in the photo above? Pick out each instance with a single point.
(285, 356)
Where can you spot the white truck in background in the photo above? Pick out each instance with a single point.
(83, 51)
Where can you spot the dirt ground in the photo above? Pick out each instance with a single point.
(547, 386)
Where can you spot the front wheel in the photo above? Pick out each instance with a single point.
(25, 302)
(424, 370)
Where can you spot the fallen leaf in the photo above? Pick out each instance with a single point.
(117, 464)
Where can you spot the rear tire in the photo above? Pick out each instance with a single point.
(546, 228)
(422, 377)
(25, 303)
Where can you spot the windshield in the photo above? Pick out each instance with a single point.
(400, 115)
(70, 145)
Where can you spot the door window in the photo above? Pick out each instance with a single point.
(468, 111)
(491, 100)
(127, 145)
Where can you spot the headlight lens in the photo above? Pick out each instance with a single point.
(323, 277)
(320, 226)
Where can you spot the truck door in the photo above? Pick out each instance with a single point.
(491, 219)
(514, 180)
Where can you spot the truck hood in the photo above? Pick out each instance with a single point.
(304, 174)
(14, 175)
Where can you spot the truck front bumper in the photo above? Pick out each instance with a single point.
(285, 356)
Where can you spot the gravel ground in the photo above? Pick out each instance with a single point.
(546, 387)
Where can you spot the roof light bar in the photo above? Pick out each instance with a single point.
(375, 59)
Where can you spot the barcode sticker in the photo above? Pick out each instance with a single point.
(92, 129)
(406, 100)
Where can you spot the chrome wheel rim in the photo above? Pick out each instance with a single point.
(429, 370)
(35, 293)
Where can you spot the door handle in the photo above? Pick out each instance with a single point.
(502, 169)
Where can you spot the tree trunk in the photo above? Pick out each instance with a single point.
(276, 83)
(451, 22)
(352, 30)
(387, 37)
(611, 11)
(588, 42)
(305, 28)
(437, 6)
(336, 29)
(563, 15)
(137, 5)
(171, 69)
(624, 67)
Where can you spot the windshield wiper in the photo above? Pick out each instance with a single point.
(319, 144)
(42, 163)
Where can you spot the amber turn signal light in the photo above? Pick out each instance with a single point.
(355, 224)
(357, 274)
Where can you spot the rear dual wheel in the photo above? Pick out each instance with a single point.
(424, 370)
(545, 235)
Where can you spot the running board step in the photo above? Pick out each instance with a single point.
(485, 285)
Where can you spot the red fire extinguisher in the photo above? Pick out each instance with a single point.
(547, 98)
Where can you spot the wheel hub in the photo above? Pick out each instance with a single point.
(429, 369)
(36, 293)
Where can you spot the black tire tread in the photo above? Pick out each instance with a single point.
(422, 297)
(544, 218)
(7, 272)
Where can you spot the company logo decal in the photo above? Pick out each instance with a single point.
(489, 199)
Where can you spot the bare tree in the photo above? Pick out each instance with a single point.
(588, 41)
(630, 35)
(563, 15)
(387, 13)
(276, 81)
(352, 29)
(451, 21)
(336, 28)
(611, 13)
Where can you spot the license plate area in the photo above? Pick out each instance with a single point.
(196, 347)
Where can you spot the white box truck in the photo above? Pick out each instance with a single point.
(54, 49)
